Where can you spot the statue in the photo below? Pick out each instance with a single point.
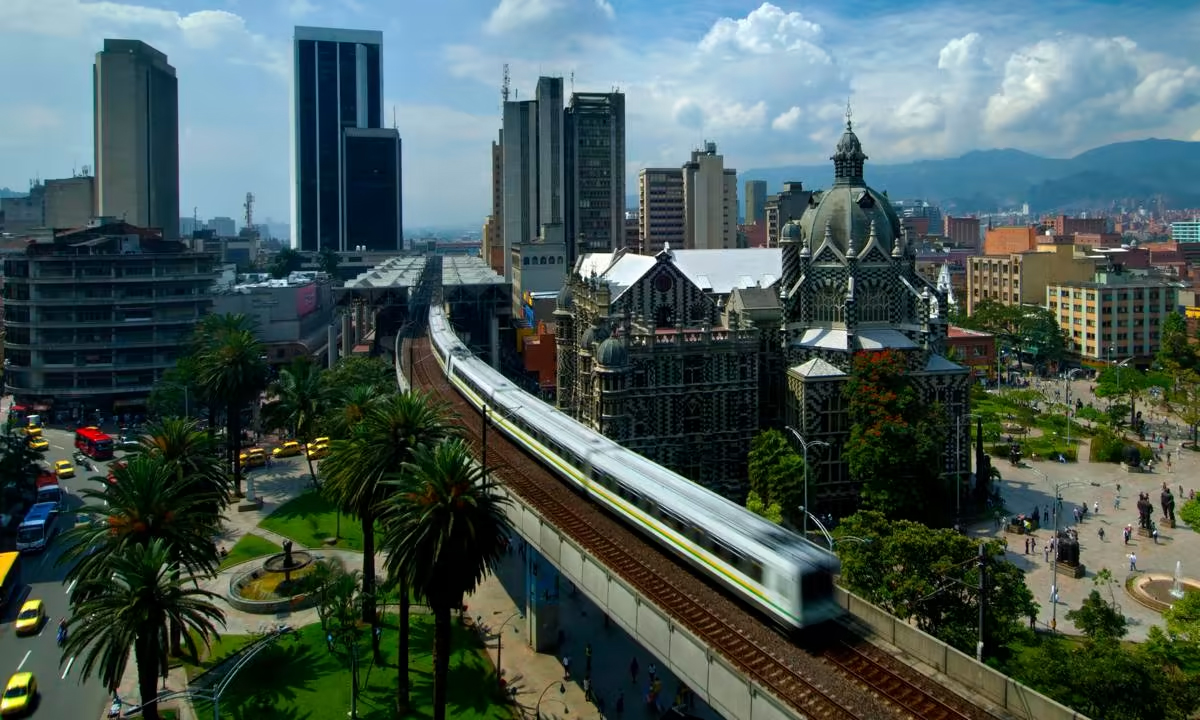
(287, 553)
(1145, 510)
(1133, 456)
(1168, 505)
(1067, 547)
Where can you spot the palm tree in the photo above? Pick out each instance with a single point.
(348, 408)
(131, 608)
(444, 531)
(379, 446)
(340, 597)
(208, 334)
(233, 368)
(300, 400)
(146, 503)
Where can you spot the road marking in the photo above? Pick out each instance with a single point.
(72, 586)
(58, 447)
(68, 668)
(24, 660)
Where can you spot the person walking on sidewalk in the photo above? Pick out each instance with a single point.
(633, 670)
(1132, 562)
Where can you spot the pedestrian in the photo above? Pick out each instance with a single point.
(566, 667)
(1026, 546)
(1132, 562)
(1033, 544)
(587, 689)
(1096, 507)
(1154, 534)
(652, 671)
(587, 659)
(1116, 502)
(1053, 594)
(1101, 533)
(1169, 470)
(1046, 552)
(633, 670)
(620, 706)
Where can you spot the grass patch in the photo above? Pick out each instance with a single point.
(221, 648)
(309, 519)
(249, 547)
(298, 678)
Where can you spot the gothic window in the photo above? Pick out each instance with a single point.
(664, 315)
(836, 417)
(693, 415)
(828, 305)
(663, 282)
(693, 370)
(698, 313)
(874, 305)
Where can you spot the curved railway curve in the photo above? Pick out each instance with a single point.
(825, 684)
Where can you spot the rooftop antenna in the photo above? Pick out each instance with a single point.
(572, 82)
(249, 207)
(849, 114)
(394, 126)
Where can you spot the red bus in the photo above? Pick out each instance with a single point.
(93, 443)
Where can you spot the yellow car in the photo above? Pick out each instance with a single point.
(29, 620)
(291, 448)
(64, 469)
(254, 457)
(19, 694)
(39, 443)
(318, 448)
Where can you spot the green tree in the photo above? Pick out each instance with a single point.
(1183, 399)
(1131, 384)
(360, 370)
(300, 398)
(931, 577)
(776, 473)
(1026, 330)
(896, 442)
(132, 607)
(285, 263)
(328, 260)
(378, 447)
(771, 512)
(1176, 352)
(232, 367)
(1097, 618)
(176, 394)
(446, 530)
(340, 599)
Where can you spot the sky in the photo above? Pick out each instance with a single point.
(767, 81)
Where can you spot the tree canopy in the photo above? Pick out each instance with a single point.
(896, 441)
(1030, 331)
(1176, 351)
(776, 476)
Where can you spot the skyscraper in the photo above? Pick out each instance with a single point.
(756, 201)
(337, 98)
(520, 147)
(661, 217)
(136, 124)
(550, 167)
(595, 173)
(710, 201)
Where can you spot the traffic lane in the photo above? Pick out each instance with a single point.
(64, 692)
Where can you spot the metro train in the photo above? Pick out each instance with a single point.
(777, 572)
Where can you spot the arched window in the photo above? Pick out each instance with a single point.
(524, 261)
(543, 261)
(828, 303)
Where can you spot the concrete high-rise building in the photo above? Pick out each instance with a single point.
(783, 208)
(136, 116)
(962, 231)
(710, 201)
(337, 106)
(520, 141)
(660, 196)
(492, 241)
(551, 166)
(595, 173)
(1186, 231)
(756, 201)
(223, 226)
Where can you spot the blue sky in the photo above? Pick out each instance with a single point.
(767, 81)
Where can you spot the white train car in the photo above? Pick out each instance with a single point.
(778, 572)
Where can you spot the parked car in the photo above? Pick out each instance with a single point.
(289, 448)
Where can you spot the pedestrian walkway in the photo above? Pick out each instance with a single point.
(1097, 485)
(498, 604)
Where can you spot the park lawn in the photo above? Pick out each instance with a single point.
(299, 678)
(249, 547)
(221, 648)
(309, 519)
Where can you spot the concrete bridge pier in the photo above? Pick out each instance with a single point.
(543, 585)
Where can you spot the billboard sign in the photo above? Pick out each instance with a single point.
(306, 300)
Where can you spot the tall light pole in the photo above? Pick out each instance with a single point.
(829, 538)
(562, 690)
(958, 462)
(806, 444)
(500, 643)
(1070, 376)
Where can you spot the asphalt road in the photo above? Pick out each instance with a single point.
(64, 692)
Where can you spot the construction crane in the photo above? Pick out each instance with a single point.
(249, 208)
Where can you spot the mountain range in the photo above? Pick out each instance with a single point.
(6, 193)
(1125, 173)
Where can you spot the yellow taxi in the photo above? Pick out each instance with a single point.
(64, 468)
(30, 619)
(19, 694)
(31, 433)
(254, 457)
(291, 448)
(318, 448)
(39, 443)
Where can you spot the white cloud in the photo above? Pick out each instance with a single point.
(525, 15)
(963, 54)
(765, 31)
(787, 120)
(300, 8)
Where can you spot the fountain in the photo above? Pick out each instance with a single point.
(264, 591)
(1177, 586)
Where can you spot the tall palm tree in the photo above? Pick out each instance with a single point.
(131, 607)
(444, 531)
(208, 334)
(299, 400)
(349, 406)
(379, 446)
(145, 504)
(233, 368)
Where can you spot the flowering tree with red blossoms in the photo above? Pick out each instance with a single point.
(896, 441)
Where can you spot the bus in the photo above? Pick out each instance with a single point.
(38, 526)
(93, 443)
(10, 578)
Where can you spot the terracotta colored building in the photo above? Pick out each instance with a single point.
(1098, 239)
(1064, 225)
(962, 231)
(1009, 240)
(973, 348)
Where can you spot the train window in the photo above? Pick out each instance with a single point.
(677, 523)
(755, 571)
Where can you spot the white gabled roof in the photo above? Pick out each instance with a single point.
(714, 271)
(818, 368)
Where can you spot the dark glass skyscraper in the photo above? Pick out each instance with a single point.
(338, 88)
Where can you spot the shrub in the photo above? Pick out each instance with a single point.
(1190, 513)
(1110, 448)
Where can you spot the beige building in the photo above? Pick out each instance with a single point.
(1116, 317)
(56, 204)
(660, 198)
(1021, 278)
(785, 207)
(136, 100)
(710, 201)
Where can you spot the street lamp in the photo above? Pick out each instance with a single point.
(806, 444)
(1069, 377)
(829, 538)
(562, 690)
(500, 643)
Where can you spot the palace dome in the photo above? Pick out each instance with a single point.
(612, 354)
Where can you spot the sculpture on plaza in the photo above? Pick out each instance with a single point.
(1067, 547)
(1168, 505)
(1133, 456)
(1145, 511)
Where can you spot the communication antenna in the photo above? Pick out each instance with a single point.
(249, 207)
(572, 82)
(394, 125)
(505, 84)
(195, 215)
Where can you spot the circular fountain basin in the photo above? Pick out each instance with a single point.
(1154, 590)
(276, 586)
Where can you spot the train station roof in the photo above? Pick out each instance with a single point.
(468, 270)
(397, 272)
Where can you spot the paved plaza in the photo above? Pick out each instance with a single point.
(1032, 485)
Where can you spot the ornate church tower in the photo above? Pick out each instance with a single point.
(564, 341)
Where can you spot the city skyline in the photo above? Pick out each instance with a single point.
(762, 80)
